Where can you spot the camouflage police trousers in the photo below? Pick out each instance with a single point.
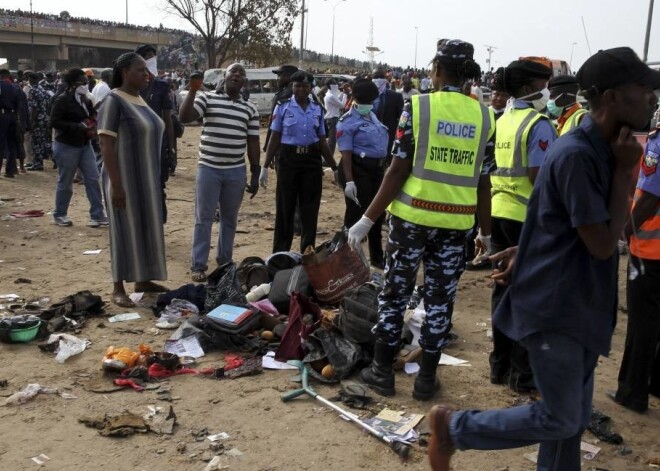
(443, 254)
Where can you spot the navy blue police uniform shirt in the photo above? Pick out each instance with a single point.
(9, 97)
(298, 127)
(158, 96)
(365, 137)
(556, 284)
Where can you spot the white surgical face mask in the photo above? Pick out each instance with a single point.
(81, 90)
(539, 103)
(152, 66)
(381, 83)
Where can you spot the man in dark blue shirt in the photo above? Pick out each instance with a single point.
(9, 107)
(561, 303)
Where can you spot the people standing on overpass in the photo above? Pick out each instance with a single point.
(159, 97)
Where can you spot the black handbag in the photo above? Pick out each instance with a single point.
(285, 283)
(222, 287)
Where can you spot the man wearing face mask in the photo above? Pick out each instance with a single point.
(362, 141)
(231, 126)
(334, 104)
(159, 98)
(524, 136)
(563, 103)
(388, 106)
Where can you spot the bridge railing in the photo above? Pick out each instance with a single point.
(84, 30)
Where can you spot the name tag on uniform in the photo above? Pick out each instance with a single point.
(460, 130)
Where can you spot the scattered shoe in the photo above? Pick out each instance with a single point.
(440, 445)
(103, 222)
(198, 276)
(63, 221)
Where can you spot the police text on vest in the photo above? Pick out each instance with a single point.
(460, 130)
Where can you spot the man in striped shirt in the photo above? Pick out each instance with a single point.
(230, 126)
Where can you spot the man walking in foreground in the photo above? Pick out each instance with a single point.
(576, 213)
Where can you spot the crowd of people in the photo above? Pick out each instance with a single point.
(460, 184)
(8, 14)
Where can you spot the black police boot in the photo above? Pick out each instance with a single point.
(379, 376)
(427, 383)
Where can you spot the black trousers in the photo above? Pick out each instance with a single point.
(299, 181)
(509, 361)
(640, 367)
(367, 176)
(8, 142)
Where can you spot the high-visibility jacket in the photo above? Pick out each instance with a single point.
(573, 120)
(511, 187)
(450, 132)
(645, 242)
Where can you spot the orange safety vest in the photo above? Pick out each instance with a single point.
(645, 243)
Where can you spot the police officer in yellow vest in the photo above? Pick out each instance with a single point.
(524, 136)
(436, 183)
(563, 103)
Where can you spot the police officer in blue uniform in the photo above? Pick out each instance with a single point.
(9, 105)
(362, 140)
(298, 134)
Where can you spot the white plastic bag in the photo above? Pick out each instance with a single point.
(69, 345)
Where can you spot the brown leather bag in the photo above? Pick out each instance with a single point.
(334, 268)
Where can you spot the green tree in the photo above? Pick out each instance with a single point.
(227, 26)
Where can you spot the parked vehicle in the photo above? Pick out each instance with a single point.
(262, 85)
(559, 67)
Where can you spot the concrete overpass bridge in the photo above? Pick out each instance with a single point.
(55, 43)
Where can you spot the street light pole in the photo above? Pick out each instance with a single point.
(490, 50)
(127, 12)
(302, 35)
(32, 65)
(648, 31)
(416, 29)
(570, 61)
(334, 9)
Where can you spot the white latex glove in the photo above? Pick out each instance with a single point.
(351, 192)
(483, 243)
(358, 232)
(263, 177)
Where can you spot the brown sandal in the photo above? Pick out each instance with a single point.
(122, 300)
(198, 276)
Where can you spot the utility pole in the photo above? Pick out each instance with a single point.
(490, 50)
(32, 65)
(648, 31)
(302, 36)
(416, 29)
(126, 12)
(570, 61)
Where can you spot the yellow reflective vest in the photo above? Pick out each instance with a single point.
(450, 131)
(511, 187)
(573, 121)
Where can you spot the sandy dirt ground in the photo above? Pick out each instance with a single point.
(270, 434)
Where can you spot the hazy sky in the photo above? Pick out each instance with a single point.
(514, 27)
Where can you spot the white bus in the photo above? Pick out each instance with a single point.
(262, 85)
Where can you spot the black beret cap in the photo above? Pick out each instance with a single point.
(286, 69)
(302, 77)
(562, 81)
(531, 68)
(364, 91)
(143, 49)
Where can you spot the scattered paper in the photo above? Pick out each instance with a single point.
(92, 252)
(128, 316)
(218, 436)
(136, 297)
(185, 347)
(40, 459)
(590, 450)
(533, 456)
(9, 297)
(447, 360)
(269, 362)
